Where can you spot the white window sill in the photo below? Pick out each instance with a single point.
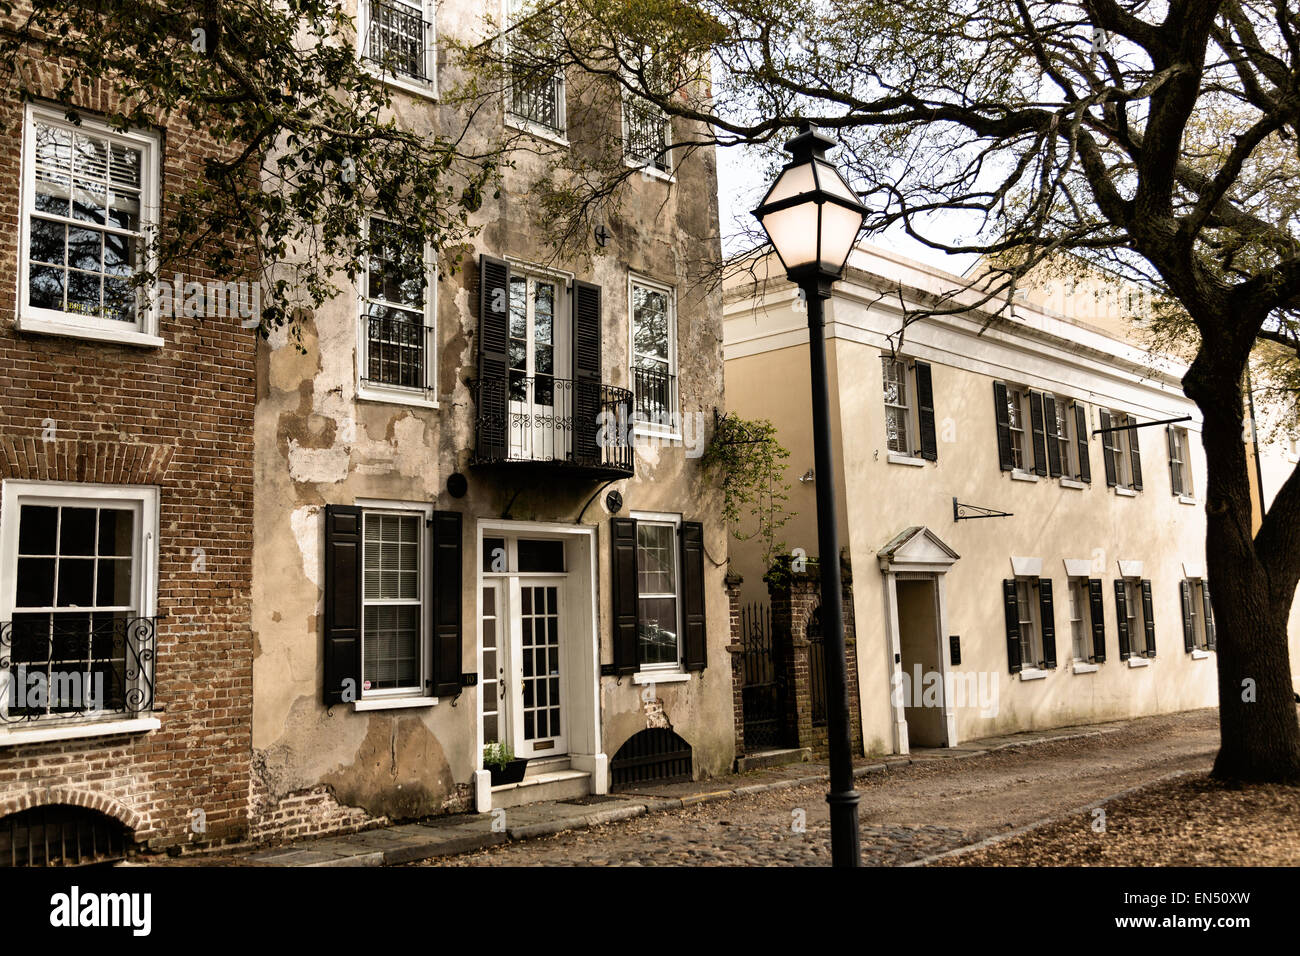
(1018, 475)
(1199, 655)
(425, 88)
(1032, 673)
(533, 129)
(1186, 500)
(1084, 667)
(1139, 662)
(648, 170)
(1125, 492)
(393, 703)
(396, 397)
(1072, 483)
(41, 734)
(649, 431)
(896, 459)
(72, 330)
(660, 677)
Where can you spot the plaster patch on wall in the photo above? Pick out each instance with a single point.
(305, 523)
(320, 465)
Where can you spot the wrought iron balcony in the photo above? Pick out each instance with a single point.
(398, 39)
(655, 397)
(76, 664)
(395, 352)
(539, 102)
(578, 427)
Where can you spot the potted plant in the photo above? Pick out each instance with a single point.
(500, 759)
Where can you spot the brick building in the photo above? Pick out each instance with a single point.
(125, 504)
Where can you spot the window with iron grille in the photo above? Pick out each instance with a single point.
(654, 356)
(398, 38)
(396, 325)
(647, 134)
(535, 100)
(76, 603)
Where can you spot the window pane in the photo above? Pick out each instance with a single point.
(656, 558)
(541, 555)
(658, 630)
(391, 656)
(36, 529)
(650, 321)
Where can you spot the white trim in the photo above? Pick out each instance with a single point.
(511, 119)
(660, 677)
(393, 703)
(897, 459)
(1078, 567)
(1129, 569)
(665, 669)
(1125, 492)
(1018, 474)
(1032, 673)
(674, 411)
(1199, 655)
(1072, 483)
(1026, 567)
(1139, 662)
(136, 725)
(426, 88)
(1187, 500)
(44, 326)
(1194, 570)
(1082, 667)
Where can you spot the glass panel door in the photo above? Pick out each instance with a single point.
(539, 722)
(538, 403)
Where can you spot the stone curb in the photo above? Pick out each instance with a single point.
(550, 827)
(1039, 824)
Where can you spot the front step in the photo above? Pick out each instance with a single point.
(773, 758)
(545, 784)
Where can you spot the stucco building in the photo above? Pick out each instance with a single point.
(480, 511)
(1022, 558)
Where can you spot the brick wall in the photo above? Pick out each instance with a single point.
(179, 417)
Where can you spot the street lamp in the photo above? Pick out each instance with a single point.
(812, 218)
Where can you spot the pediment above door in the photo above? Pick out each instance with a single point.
(916, 549)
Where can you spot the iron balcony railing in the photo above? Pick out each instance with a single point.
(655, 397)
(76, 665)
(646, 135)
(565, 422)
(395, 352)
(538, 101)
(398, 39)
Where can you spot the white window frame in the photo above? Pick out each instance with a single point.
(1027, 596)
(1017, 397)
(55, 321)
(513, 120)
(906, 370)
(424, 693)
(144, 500)
(673, 429)
(1080, 618)
(427, 87)
(645, 165)
(1181, 447)
(1123, 454)
(1196, 598)
(1067, 437)
(426, 396)
(1137, 633)
(673, 521)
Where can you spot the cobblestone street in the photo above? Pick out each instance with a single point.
(907, 813)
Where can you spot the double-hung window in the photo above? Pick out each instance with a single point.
(393, 658)
(1198, 615)
(1133, 614)
(898, 410)
(909, 409)
(653, 310)
(659, 627)
(78, 573)
(396, 336)
(397, 38)
(535, 99)
(1180, 466)
(1080, 619)
(1121, 451)
(1031, 646)
(1021, 456)
(648, 130)
(90, 199)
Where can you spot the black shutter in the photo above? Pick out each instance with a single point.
(1013, 624)
(1148, 618)
(925, 412)
(1121, 615)
(586, 370)
(1005, 461)
(446, 553)
(1097, 614)
(1081, 439)
(342, 652)
(624, 594)
(1135, 456)
(1189, 621)
(695, 643)
(1210, 635)
(1048, 614)
(1053, 437)
(1107, 448)
(1036, 424)
(493, 360)
(1175, 483)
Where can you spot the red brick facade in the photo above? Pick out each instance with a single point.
(178, 417)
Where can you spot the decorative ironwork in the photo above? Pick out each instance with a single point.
(816, 669)
(61, 835)
(646, 140)
(538, 101)
(398, 39)
(558, 421)
(1133, 425)
(395, 352)
(76, 665)
(963, 512)
(656, 396)
(655, 755)
(763, 694)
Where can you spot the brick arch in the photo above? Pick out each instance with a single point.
(67, 796)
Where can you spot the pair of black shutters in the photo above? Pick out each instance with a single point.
(1096, 616)
(1189, 619)
(494, 364)
(344, 609)
(626, 603)
(1108, 446)
(1044, 434)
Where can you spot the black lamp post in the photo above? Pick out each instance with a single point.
(812, 218)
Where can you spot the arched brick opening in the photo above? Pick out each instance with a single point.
(68, 796)
(62, 834)
(654, 755)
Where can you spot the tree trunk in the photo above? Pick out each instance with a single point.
(1258, 726)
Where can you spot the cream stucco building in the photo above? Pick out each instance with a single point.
(1021, 558)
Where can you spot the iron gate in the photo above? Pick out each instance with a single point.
(816, 669)
(763, 694)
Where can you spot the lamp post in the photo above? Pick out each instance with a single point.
(812, 218)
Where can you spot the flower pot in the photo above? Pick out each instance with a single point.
(512, 772)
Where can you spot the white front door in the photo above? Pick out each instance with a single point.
(537, 685)
(539, 404)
